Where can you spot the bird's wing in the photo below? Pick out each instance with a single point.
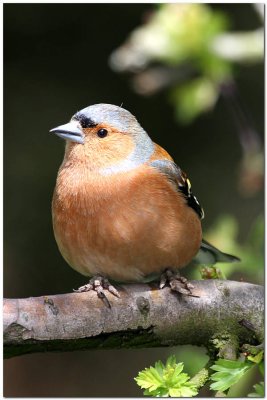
(207, 253)
(181, 181)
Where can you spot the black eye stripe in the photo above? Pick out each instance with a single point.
(84, 121)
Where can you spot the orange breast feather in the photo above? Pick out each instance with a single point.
(124, 226)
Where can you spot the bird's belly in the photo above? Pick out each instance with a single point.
(128, 234)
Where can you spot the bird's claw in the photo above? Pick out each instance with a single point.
(84, 288)
(99, 284)
(177, 283)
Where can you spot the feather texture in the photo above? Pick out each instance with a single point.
(121, 207)
(126, 226)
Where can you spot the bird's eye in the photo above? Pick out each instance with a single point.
(102, 133)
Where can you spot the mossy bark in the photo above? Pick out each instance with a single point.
(144, 316)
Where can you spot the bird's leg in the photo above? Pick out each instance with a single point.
(176, 282)
(99, 284)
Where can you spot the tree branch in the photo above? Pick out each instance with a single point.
(144, 316)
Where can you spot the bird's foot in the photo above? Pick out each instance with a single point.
(176, 282)
(99, 284)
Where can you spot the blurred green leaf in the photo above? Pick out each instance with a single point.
(194, 358)
(193, 37)
(180, 35)
(259, 390)
(186, 30)
(227, 373)
(261, 368)
(257, 358)
(193, 98)
(223, 234)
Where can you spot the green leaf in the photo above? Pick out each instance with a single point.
(261, 368)
(184, 391)
(171, 362)
(160, 392)
(227, 373)
(223, 364)
(257, 358)
(149, 379)
(259, 390)
(159, 367)
(193, 98)
(166, 380)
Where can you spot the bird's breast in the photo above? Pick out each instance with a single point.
(124, 226)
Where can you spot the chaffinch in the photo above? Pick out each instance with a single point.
(122, 209)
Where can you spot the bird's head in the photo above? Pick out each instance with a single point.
(108, 136)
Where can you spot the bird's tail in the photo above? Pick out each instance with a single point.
(210, 255)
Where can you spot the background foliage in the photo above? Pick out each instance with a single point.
(57, 61)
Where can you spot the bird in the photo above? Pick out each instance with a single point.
(122, 210)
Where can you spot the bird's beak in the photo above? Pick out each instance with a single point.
(70, 131)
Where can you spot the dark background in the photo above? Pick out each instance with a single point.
(55, 63)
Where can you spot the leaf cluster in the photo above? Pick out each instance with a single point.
(166, 380)
(169, 380)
